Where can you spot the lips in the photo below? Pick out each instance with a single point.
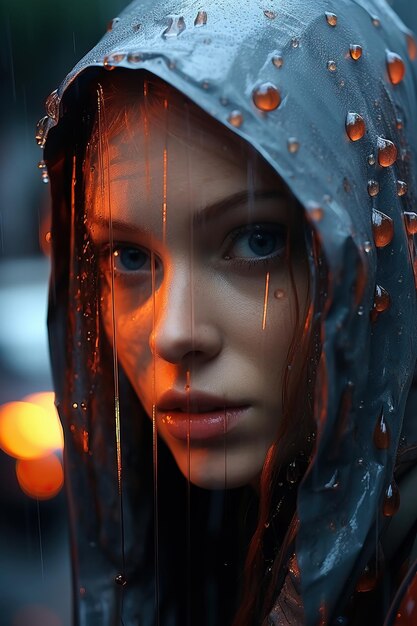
(197, 415)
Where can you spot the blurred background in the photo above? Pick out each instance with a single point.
(39, 43)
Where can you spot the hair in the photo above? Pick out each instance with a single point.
(272, 542)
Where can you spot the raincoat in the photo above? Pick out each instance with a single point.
(326, 92)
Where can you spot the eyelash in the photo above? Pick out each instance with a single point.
(231, 239)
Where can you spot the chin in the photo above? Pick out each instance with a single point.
(214, 470)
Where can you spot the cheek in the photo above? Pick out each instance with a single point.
(133, 329)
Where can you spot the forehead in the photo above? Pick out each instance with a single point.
(169, 151)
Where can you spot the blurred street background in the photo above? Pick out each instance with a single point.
(39, 43)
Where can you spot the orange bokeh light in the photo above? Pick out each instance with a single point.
(40, 478)
(30, 429)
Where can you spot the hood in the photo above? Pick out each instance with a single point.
(326, 92)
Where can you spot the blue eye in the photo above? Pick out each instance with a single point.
(130, 259)
(258, 241)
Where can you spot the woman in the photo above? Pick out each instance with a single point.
(232, 313)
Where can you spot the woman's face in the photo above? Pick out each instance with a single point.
(203, 299)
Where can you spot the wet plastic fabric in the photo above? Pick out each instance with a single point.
(368, 360)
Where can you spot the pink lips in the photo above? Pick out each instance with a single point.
(198, 415)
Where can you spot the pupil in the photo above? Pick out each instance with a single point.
(132, 259)
(262, 243)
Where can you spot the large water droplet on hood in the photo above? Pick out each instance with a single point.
(278, 60)
(331, 66)
(235, 118)
(41, 131)
(201, 19)
(120, 580)
(382, 437)
(293, 145)
(382, 299)
(391, 500)
(355, 51)
(402, 188)
(111, 60)
(331, 18)
(411, 47)
(271, 15)
(355, 126)
(410, 219)
(395, 67)
(376, 21)
(176, 27)
(373, 188)
(266, 97)
(387, 152)
(383, 228)
(112, 24)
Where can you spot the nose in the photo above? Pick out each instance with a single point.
(185, 323)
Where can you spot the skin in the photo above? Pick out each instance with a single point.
(198, 321)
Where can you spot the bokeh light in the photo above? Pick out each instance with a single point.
(40, 478)
(30, 429)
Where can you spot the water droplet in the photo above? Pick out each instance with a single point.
(235, 118)
(45, 177)
(367, 580)
(331, 18)
(201, 19)
(411, 47)
(395, 67)
(271, 15)
(355, 51)
(108, 63)
(279, 294)
(75, 405)
(355, 126)
(391, 500)
(383, 228)
(382, 435)
(367, 246)
(48, 237)
(134, 57)
(52, 105)
(176, 27)
(410, 219)
(136, 26)
(331, 66)
(382, 299)
(333, 483)
(294, 569)
(42, 131)
(293, 145)
(113, 23)
(120, 580)
(315, 212)
(402, 188)
(292, 472)
(387, 152)
(373, 188)
(278, 61)
(266, 524)
(295, 42)
(376, 21)
(399, 123)
(371, 159)
(266, 97)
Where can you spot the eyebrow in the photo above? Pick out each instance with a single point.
(216, 209)
(207, 213)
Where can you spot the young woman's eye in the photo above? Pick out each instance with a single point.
(257, 241)
(131, 259)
